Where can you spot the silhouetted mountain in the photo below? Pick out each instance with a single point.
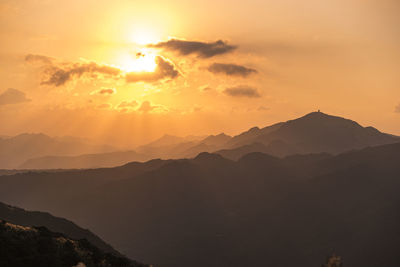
(100, 160)
(211, 211)
(14, 151)
(209, 144)
(248, 137)
(60, 225)
(22, 246)
(216, 140)
(314, 133)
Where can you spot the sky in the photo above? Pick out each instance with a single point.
(126, 72)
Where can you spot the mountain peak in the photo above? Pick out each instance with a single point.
(207, 156)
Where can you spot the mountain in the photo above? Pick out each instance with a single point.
(211, 211)
(14, 151)
(169, 146)
(216, 140)
(174, 147)
(315, 132)
(35, 218)
(37, 246)
(276, 147)
(209, 144)
(86, 161)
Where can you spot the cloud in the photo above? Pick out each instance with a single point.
(242, 91)
(147, 106)
(40, 58)
(231, 69)
(128, 104)
(205, 88)
(104, 91)
(59, 76)
(104, 106)
(165, 69)
(201, 49)
(13, 96)
(397, 109)
(263, 108)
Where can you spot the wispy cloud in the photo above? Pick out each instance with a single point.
(397, 108)
(13, 96)
(104, 91)
(242, 91)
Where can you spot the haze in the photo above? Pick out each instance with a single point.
(127, 72)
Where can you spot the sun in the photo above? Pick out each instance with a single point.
(141, 61)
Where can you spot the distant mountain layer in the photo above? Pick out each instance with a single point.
(315, 132)
(14, 151)
(100, 160)
(210, 211)
(22, 246)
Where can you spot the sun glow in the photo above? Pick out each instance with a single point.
(144, 37)
(142, 61)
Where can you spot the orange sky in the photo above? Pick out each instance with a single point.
(126, 72)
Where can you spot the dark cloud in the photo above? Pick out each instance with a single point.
(397, 109)
(202, 49)
(59, 76)
(242, 91)
(13, 96)
(231, 69)
(40, 58)
(104, 91)
(164, 69)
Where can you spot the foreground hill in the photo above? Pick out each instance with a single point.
(16, 150)
(35, 218)
(22, 246)
(210, 211)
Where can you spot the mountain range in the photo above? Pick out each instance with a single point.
(260, 210)
(15, 150)
(315, 132)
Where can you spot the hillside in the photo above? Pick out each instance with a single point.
(60, 225)
(211, 211)
(37, 246)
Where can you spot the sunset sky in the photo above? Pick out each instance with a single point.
(127, 72)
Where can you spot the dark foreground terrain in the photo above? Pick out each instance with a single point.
(22, 246)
